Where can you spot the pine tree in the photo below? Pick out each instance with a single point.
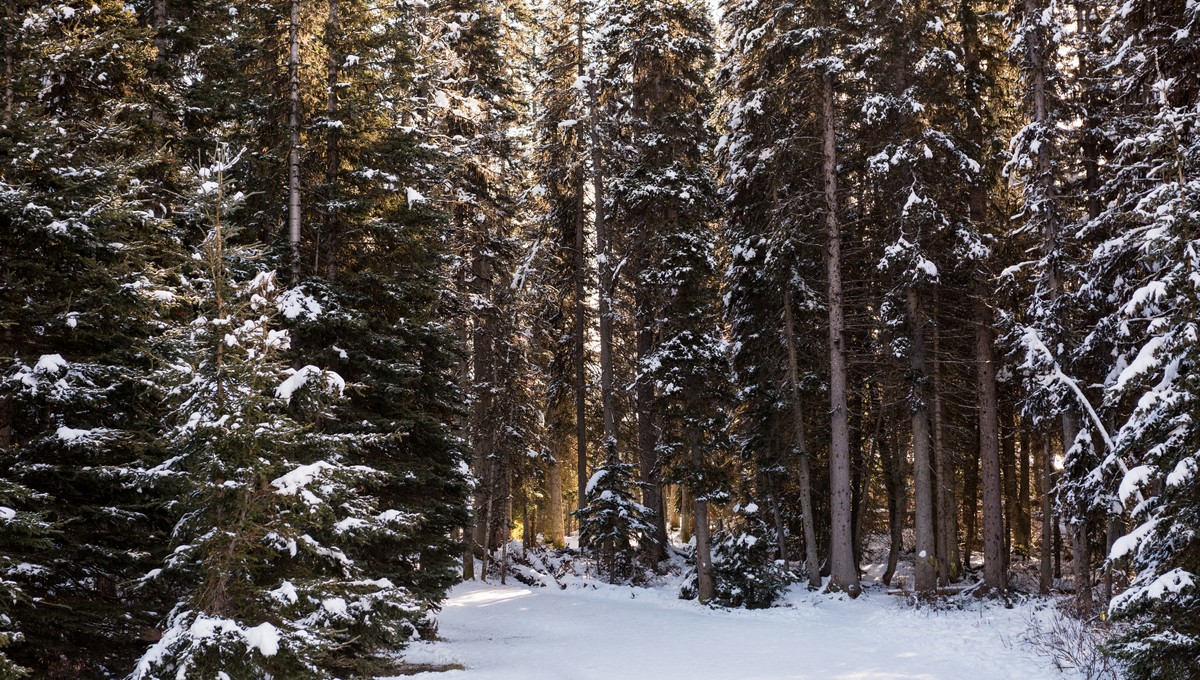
(275, 559)
(1147, 253)
(85, 250)
(612, 525)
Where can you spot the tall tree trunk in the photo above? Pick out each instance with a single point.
(943, 489)
(923, 502)
(604, 276)
(894, 481)
(843, 570)
(10, 59)
(1008, 461)
(1046, 567)
(1080, 547)
(559, 452)
(580, 277)
(811, 564)
(647, 432)
(995, 575)
(331, 227)
(704, 572)
(1024, 525)
(294, 138)
(470, 537)
(687, 524)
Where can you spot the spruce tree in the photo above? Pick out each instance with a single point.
(86, 250)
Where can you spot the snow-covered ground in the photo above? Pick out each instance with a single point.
(516, 632)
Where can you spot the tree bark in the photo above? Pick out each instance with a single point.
(294, 138)
(843, 570)
(332, 143)
(687, 524)
(1046, 567)
(995, 575)
(580, 276)
(1024, 523)
(943, 489)
(604, 276)
(554, 529)
(1009, 473)
(1080, 547)
(923, 501)
(811, 564)
(704, 574)
(894, 480)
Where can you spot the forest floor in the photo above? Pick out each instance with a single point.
(596, 631)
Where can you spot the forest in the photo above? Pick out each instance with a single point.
(312, 309)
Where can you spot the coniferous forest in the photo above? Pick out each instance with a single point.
(312, 309)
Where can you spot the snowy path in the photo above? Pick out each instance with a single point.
(520, 633)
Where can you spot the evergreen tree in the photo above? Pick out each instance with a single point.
(85, 256)
(612, 524)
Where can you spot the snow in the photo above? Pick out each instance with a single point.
(264, 637)
(296, 480)
(596, 477)
(294, 303)
(1132, 480)
(413, 196)
(1182, 472)
(50, 363)
(334, 383)
(503, 633)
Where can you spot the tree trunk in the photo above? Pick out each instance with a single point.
(704, 573)
(332, 144)
(1024, 523)
(893, 479)
(554, 529)
(843, 570)
(995, 575)
(943, 489)
(811, 564)
(1046, 568)
(1009, 471)
(923, 502)
(970, 507)
(687, 524)
(1080, 548)
(294, 138)
(580, 276)
(647, 430)
(604, 276)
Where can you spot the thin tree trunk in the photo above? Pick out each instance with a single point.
(843, 570)
(1080, 547)
(580, 276)
(1046, 567)
(604, 276)
(893, 479)
(687, 522)
(1009, 472)
(995, 575)
(294, 138)
(10, 59)
(923, 502)
(970, 507)
(943, 491)
(1024, 523)
(332, 143)
(811, 564)
(704, 574)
